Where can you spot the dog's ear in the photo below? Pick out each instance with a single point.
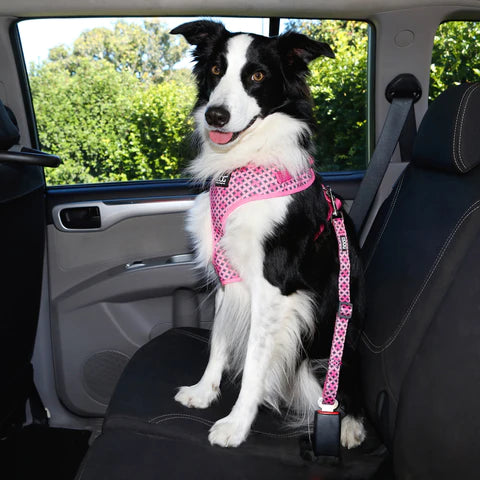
(198, 32)
(295, 47)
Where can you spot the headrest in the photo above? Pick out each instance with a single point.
(449, 135)
(9, 134)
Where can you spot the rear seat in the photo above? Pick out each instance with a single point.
(420, 348)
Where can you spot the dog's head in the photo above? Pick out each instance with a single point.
(244, 78)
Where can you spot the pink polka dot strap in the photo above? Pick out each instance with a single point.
(345, 308)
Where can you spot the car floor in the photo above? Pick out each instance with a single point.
(42, 452)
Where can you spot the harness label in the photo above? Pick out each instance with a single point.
(343, 241)
(223, 180)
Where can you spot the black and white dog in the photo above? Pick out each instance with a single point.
(263, 229)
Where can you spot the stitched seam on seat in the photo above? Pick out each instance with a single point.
(472, 90)
(387, 219)
(192, 335)
(455, 142)
(182, 416)
(380, 348)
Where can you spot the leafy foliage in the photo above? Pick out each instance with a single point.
(114, 112)
(148, 51)
(339, 92)
(455, 56)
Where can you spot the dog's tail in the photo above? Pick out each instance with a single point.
(304, 394)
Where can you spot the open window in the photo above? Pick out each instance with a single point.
(113, 96)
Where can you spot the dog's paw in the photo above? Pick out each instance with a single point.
(197, 396)
(228, 432)
(352, 432)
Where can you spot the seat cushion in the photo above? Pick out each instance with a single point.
(127, 454)
(147, 431)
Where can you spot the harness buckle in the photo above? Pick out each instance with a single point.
(345, 310)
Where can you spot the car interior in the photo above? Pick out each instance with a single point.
(103, 315)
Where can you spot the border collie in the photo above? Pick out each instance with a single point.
(263, 230)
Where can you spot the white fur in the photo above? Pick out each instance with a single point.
(257, 331)
(269, 142)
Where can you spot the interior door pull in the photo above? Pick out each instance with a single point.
(81, 218)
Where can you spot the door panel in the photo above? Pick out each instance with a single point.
(114, 288)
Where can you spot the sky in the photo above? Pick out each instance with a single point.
(39, 36)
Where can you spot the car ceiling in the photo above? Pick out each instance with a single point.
(299, 8)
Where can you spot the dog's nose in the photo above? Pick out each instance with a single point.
(217, 116)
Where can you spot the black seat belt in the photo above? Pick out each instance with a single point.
(399, 128)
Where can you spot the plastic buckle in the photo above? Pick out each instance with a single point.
(345, 310)
(326, 432)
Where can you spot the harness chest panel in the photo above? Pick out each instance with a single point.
(244, 185)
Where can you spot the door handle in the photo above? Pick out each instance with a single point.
(74, 218)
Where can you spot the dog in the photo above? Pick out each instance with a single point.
(274, 252)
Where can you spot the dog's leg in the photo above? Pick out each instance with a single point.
(202, 394)
(266, 307)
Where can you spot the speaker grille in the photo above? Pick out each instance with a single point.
(101, 373)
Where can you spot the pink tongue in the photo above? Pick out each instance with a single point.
(220, 137)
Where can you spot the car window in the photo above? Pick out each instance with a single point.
(455, 56)
(112, 97)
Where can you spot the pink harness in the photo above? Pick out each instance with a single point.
(244, 185)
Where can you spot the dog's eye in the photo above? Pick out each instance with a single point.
(258, 77)
(216, 70)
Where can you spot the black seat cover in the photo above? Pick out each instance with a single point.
(147, 434)
(22, 227)
(421, 345)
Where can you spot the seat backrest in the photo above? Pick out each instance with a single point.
(22, 233)
(421, 344)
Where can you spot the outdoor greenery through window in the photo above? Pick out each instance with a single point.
(115, 101)
(455, 56)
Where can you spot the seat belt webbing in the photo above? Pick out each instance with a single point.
(396, 121)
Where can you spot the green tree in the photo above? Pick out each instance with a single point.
(163, 126)
(82, 116)
(339, 92)
(455, 56)
(147, 50)
(107, 121)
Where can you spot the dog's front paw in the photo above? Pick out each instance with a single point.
(352, 432)
(197, 396)
(228, 432)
